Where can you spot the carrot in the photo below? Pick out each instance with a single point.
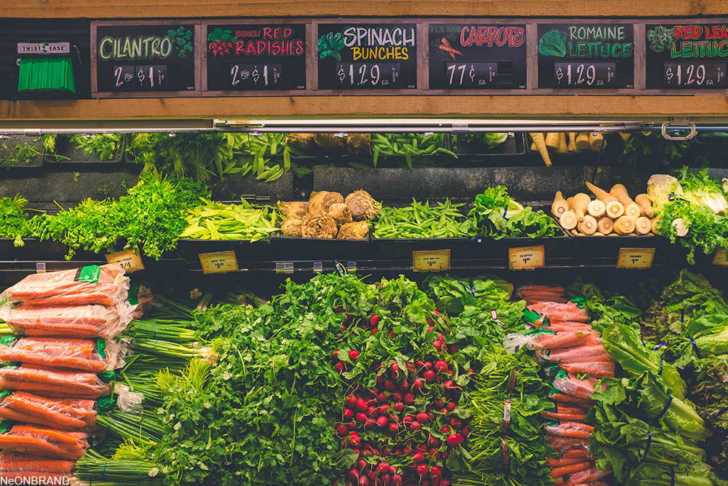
(540, 142)
(20, 463)
(559, 481)
(631, 208)
(576, 453)
(605, 225)
(645, 205)
(59, 421)
(561, 340)
(594, 368)
(567, 417)
(35, 446)
(614, 208)
(587, 476)
(559, 206)
(570, 469)
(624, 225)
(570, 429)
(567, 409)
(69, 438)
(564, 461)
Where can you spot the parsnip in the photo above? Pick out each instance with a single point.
(614, 208)
(572, 141)
(540, 142)
(581, 141)
(605, 225)
(624, 225)
(579, 203)
(631, 208)
(645, 205)
(568, 220)
(596, 141)
(655, 223)
(559, 206)
(588, 225)
(563, 147)
(643, 225)
(596, 208)
(552, 140)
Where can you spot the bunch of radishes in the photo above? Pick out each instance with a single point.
(404, 428)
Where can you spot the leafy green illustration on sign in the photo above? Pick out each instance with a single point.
(660, 38)
(220, 34)
(553, 43)
(182, 40)
(330, 45)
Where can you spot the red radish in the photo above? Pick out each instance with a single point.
(342, 429)
(421, 447)
(389, 385)
(363, 481)
(371, 474)
(437, 345)
(396, 480)
(453, 440)
(465, 431)
(418, 457)
(354, 439)
(354, 473)
(414, 426)
(435, 472)
(420, 363)
(422, 417)
(437, 313)
(440, 365)
(411, 368)
(394, 367)
(382, 421)
(361, 417)
(383, 409)
(382, 467)
(362, 464)
(444, 482)
(336, 353)
(455, 422)
(361, 404)
(408, 420)
(433, 453)
(430, 328)
(453, 349)
(372, 411)
(404, 386)
(352, 424)
(380, 379)
(428, 365)
(445, 429)
(353, 354)
(386, 480)
(449, 385)
(348, 413)
(451, 406)
(382, 397)
(393, 427)
(431, 416)
(397, 396)
(370, 423)
(374, 320)
(340, 367)
(429, 375)
(444, 411)
(433, 441)
(398, 407)
(343, 327)
(409, 398)
(417, 384)
(374, 331)
(438, 403)
(422, 470)
(429, 321)
(351, 401)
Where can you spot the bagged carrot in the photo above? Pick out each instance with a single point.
(81, 321)
(44, 442)
(65, 414)
(52, 383)
(77, 354)
(22, 463)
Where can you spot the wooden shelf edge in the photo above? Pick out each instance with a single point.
(708, 106)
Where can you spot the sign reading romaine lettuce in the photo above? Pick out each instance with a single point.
(469, 56)
(585, 56)
(687, 56)
(367, 56)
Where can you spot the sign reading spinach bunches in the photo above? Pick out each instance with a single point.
(467, 56)
(367, 56)
(145, 58)
(256, 57)
(687, 56)
(585, 56)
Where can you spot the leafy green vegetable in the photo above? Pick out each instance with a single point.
(105, 147)
(496, 215)
(706, 230)
(331, 45)
(218, 221)
(420, 220)
(702, 189)
(553, 43)
(13, 222)
(453, 295)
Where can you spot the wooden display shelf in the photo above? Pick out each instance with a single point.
(706, 106)
(99, 9)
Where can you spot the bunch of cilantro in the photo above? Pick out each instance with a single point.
(149, 217)
(495, 214)
(13, 222)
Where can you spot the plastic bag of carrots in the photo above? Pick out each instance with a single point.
(74, 354)
(21, 463)
(82, 321)
(59, 413)
(93, 284)
(37, 441)
(52, 383)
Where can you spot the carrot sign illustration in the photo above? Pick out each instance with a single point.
(447, 47)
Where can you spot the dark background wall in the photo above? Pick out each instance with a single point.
(12, 31)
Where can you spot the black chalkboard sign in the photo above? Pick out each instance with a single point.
(585, 56)
(367, 56)
(256, 57)
(468, 56)
(145, 58)
(687, 56)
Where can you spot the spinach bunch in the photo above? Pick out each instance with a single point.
(495, 214)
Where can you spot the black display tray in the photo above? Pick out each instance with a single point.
(245, 251)
(287, 248)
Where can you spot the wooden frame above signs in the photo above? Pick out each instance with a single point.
(287, 57)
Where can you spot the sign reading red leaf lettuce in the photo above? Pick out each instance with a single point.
(467, 56)
(367, 56)
(585, 56)
(145, 58)
(687, 56)
(256, 57)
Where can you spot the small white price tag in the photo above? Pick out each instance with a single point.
(721, 258)
(318, 266)
(218, 262)
(284, 267)
(526, 257)
(40, 267)
(431, 260)
(635, 258)
(351, 266)
(129, 260)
